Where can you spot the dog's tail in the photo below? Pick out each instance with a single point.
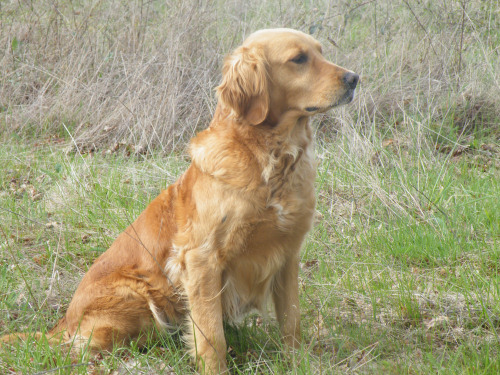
(57, 335)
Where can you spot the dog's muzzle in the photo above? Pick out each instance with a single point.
(350, 80)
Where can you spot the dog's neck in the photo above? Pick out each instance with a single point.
(290, 139)
(272, 146)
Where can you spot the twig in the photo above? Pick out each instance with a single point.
(375, 26)
(438, 208)
(371, 347)
(351, 9)
(54, 271)
(422, 26)
(459, 68)
(24, 217)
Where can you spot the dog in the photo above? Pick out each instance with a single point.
(225, 238)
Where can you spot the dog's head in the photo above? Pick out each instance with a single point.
(281, 70)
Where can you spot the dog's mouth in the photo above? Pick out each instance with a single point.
(345, 99)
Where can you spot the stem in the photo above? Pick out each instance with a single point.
(459, 68)
(422, 26)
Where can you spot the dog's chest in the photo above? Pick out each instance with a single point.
(286, 219)
(291, 189)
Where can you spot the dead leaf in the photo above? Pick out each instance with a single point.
(85, 238)
(438, 321)
(375, 159)
(488, 147)
(387, 142)
(309, 265)
(40, 259)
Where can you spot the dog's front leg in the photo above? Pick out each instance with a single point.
(286, 302)
(206, 336)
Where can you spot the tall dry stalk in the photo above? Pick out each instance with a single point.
(144, 72)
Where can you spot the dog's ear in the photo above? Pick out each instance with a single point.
(244, 87)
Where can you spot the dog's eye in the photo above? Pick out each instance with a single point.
(300, 59)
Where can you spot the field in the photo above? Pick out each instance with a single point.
(401, 273)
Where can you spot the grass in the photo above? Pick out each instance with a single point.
(143, 72)
(400, 274)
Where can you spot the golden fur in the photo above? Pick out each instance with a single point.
(226, 236)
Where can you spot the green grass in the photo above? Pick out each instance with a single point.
(399, 275)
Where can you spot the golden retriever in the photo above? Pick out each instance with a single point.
(226, 236)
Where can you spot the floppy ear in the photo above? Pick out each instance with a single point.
(244, 87)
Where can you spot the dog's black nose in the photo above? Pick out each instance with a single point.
(351, 80)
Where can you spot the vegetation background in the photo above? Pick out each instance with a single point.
(401, 272)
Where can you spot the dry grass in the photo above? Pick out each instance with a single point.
(143, 72)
